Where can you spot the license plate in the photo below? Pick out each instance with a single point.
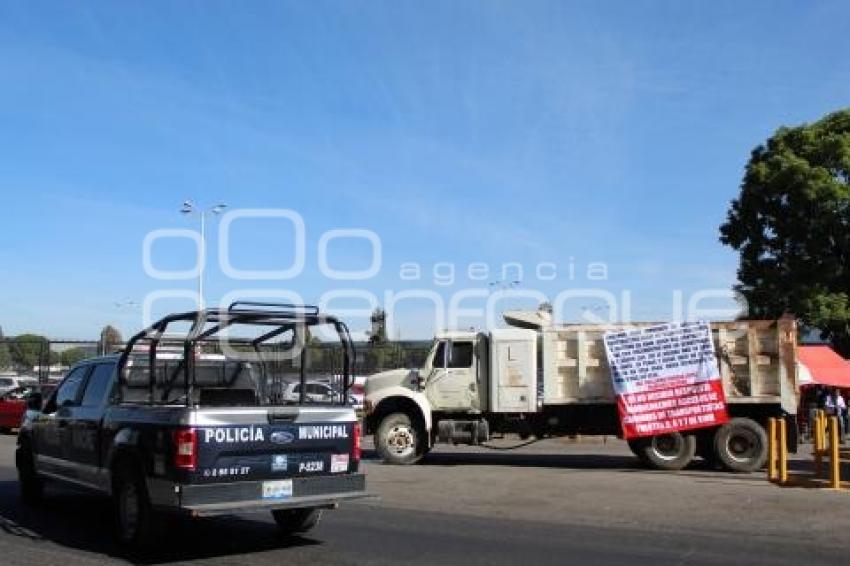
(278, 489)
(339, 463)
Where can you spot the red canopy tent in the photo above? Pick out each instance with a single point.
(820, 365)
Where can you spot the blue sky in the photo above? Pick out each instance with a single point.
(458, 132)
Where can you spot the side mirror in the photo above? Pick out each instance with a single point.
(416, 379)
(34, 401)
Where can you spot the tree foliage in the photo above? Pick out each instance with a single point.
(790, 225)
(28, 350)
(73, 355)
(110, 338)
(5, 354)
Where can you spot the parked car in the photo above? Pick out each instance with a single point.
(13, 405)
(8, 383)
(314, 392)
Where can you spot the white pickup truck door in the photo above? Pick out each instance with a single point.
(453, 387)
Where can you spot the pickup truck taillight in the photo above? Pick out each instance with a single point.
(356, 452)
(185, 449)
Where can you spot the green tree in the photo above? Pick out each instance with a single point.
(72, 355)
(376, 358)
(27, 350)
(110, 339)
(5, 354)
(791, 225)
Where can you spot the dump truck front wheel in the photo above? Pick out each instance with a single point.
(399, 440)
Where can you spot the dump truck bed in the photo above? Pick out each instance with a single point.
(757, 361)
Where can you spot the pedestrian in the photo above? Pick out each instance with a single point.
(822, 396)
(829, 403)
(835, 406)
(841, 413)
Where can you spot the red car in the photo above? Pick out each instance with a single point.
(13, 405)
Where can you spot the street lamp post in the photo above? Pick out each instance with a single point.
(189, 207)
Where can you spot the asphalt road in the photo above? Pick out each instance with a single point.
(552, 503)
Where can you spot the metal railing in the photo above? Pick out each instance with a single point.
(50, 358)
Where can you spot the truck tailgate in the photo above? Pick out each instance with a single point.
(273, 443)
(248, 459)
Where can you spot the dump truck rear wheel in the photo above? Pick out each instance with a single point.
(671, 451)
(741, 445)
(399, 440)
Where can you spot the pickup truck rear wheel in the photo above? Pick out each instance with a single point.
(295, 521)
(671, 451)
(32, 487)
(399, 441)
(133, 514)
(741, 445)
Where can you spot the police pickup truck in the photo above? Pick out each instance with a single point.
(196, 423)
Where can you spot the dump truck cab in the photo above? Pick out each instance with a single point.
(453, 377)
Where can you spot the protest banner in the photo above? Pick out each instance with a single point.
(666, 378)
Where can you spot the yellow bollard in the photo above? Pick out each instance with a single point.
(834, 459)
(816, 448)
(772, 473)
(783, 452)
(820, 441)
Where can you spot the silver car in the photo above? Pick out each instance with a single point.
(8, 383)
(314, 392)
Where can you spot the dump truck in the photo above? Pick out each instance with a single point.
(539, 379)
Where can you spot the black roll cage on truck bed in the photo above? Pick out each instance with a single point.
(206, 328)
